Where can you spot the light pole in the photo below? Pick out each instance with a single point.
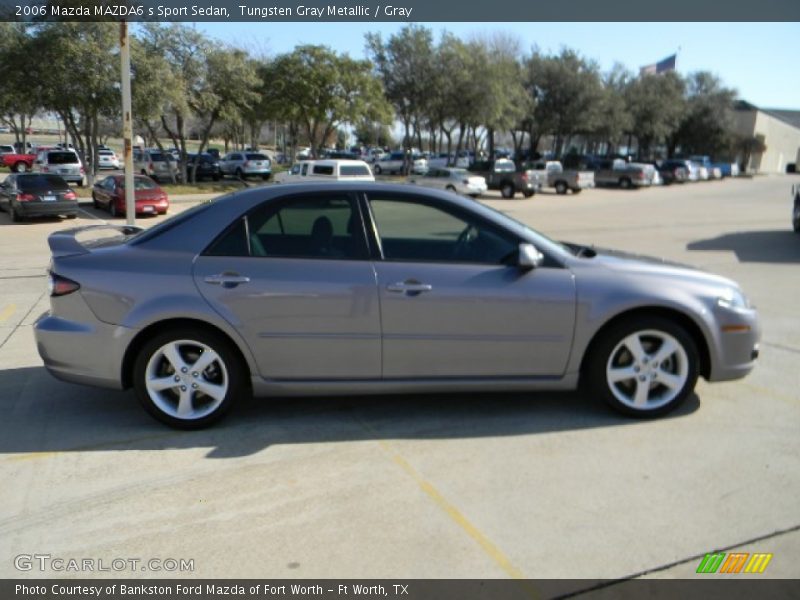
(127, 122)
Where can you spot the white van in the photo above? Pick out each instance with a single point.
(328, 170)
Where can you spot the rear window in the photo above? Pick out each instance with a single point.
(37, 182)
(160, 157)
(256, 157)
(105, 153)
(140, 183)
(62, 158)
(354, 170)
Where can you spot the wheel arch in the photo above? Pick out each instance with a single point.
(159, 327)
(681, 318)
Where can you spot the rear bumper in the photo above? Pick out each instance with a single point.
(44, 209)
(82, 352)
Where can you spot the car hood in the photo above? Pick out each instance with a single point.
(642, 265)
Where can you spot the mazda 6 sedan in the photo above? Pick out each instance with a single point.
(324, 289)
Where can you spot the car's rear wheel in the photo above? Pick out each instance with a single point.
(625, 183)
(644, 367)
(377, 170)
(507, 190)
(561, 188)
(188, 378)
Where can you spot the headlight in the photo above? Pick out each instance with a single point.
(733, 298)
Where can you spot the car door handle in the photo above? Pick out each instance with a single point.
(227, 280)
(409, 287)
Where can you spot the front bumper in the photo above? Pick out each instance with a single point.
(737, 340)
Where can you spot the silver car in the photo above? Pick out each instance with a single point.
(246, 164)
(459, 181)
(356, 288)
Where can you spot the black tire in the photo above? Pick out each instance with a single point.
(95, 203)
(16, 216)
(796, 216)
(528, 193)
(577, 190)
(608, 349)
(507, 189)
(216, 177)
(265, 177)
(72, 215)
(227, 369)
(561, 187)
(625, 183)
(20, 167)
(377, 169)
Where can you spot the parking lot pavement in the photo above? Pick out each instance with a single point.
(468, 485)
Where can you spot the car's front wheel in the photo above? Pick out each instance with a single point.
(644, 367)
(188, 378)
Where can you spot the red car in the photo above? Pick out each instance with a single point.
(109, 193)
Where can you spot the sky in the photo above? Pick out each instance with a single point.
(759, 60)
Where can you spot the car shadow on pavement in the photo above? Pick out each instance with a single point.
(42, 415)
(775, 246)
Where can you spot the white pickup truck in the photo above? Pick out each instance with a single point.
(554, 175)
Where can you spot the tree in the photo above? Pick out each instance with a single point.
(657, 105)
(405, 63)
(75, 75)
(320, 91)
(568, 93)
(615, 117)
(17, 104)
(706, 125)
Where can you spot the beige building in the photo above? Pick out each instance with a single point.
(779, 130)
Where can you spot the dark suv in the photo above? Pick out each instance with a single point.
(207, 167)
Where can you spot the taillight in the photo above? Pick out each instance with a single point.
(25, 197)
(70, 196)
(61, 286)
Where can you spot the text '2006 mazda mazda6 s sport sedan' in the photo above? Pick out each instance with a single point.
(368, 288)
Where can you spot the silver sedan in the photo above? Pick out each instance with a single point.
(367, 288)
(459, 181)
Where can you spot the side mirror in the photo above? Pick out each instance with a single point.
(529, 257)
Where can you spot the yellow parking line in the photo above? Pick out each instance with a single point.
(6, 313)
(770, 393)
(456, 515)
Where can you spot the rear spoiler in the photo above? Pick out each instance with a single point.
(64, 243)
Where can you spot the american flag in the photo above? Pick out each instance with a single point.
(662, 66)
